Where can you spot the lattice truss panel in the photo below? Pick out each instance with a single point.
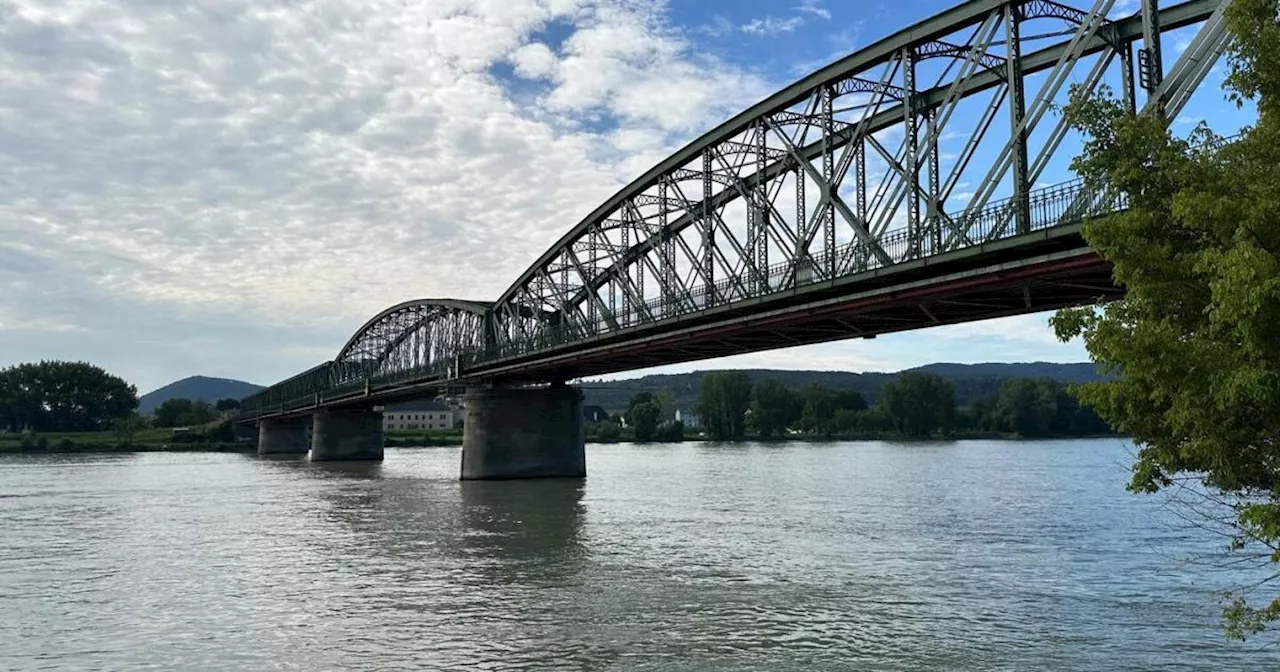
(844, 172)
(305, 385)
(411, 339)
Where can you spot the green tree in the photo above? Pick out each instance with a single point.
(128, 427)
(171, 412)
(819, 408)
(63, 396)
(180, 412)
(774, 407)
(919, 404)
(1027, 407)
(228, 404)
(638, 399)
(1032, 408)
(723, 400)
(825, 410)
(850, 400)
(846, 420)
(1076, 419)
(671, 431)
(666, 400)
(1193, 344)
(874, 420)
(608, 431)
(644, 418)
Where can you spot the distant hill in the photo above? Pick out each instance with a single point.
(197, 388)
(972, 381)
(1080, 372)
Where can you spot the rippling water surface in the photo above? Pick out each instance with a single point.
(857, 556)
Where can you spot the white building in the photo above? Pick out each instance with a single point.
(417, 415)
(689, 419)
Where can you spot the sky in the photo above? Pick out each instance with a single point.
(231, 188)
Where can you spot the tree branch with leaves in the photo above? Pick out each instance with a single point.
(1194, 346)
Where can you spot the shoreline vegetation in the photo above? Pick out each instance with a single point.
(216, 436)
(76, 407)
(102, 442)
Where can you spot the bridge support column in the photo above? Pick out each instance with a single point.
(523, 433)
(285, 436)
(346, 434)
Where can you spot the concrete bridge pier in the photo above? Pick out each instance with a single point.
(283, 436)
(346, 434)
(245, 432)
(523, 433)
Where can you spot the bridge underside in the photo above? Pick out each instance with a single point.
(1002, 292)
(1056, 271)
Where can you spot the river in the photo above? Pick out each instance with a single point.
(970, 555)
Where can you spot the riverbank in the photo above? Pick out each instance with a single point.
(427, 439)
(86, 447)
(213, 437)
(871, 436)
(165, 440)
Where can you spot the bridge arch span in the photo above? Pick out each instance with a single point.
(413, 337)
(842, 172)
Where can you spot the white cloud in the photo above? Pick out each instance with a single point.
(1183, 41)
(858, 355)
(771, 25)
(1024, 330)
(37, 325)
(628, 64)
(815, 8)
(1124, 8)
(534, 60)
(301, 167)
(841, 43)
(719, 26)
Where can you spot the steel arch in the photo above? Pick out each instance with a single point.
(422, 336)
(593, 279)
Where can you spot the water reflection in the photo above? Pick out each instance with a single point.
(363, 470)
(302, 464)
(300, 457)
(524, 530)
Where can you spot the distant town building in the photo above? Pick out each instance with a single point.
(417, 415)
(594, 414)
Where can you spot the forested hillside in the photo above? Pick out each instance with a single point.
(972, 382)
(196, 388)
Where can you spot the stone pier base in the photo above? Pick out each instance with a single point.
(346, 434)
(285, 436)
(523, 433)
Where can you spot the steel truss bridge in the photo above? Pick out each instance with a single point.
(826, 212)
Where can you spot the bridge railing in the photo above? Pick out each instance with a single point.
(1056, 205)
